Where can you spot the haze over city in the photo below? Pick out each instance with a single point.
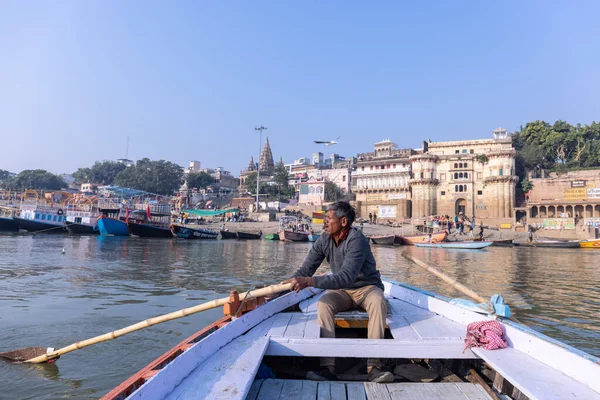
(191, 82)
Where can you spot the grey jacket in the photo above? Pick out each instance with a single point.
(352, 263)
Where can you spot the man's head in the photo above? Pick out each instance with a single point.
(339, 216)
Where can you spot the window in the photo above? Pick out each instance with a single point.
(363, 168)
(443, 193)
(456, 151)
(456, 175)
(460, 188)
(443, 177)
(456, 188)
(403, 165)
(460, 175)
(44, 217)
(422, 175)
(466, 175)
(479, 175)
(501, 172)
(344, 178)
(394, 165)
(480, 193)
(388, 166)
(37, 216)
(55, 218)
(465, 187)
(466, 165)
(460, 165)
(371, 167)
(464, 151)
(472, 151)
(455, 165)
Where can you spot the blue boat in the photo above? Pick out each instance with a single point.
(313, 237)
(456, 245)
(112, 226)
(8, 225)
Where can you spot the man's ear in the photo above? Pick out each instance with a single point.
(344, 222)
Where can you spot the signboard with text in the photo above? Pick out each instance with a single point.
(397, 196)
(578, 184)
(387, 212)
(575, 194)
(591, 221)
(559, 223)
(593, 193)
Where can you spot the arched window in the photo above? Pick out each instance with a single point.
(421, 175)
(455, 165)
(460, 175)
(319, 189)
(311, 189)
(501, 172)
(466, 165)
(460, 188)
(465, 188)
(456, 175)
(456, 188)
(466, 175)
(460, 165)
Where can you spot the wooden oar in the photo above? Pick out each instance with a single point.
(447, 279)
(40, 354)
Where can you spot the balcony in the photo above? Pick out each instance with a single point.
(377, 172)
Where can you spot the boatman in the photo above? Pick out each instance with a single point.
(354, 282)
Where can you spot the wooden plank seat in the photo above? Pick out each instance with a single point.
(533, 378)
(284, 389)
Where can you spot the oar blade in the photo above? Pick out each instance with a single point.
(25, 354)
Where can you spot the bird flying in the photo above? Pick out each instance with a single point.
(327, 143)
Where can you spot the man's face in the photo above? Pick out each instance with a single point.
(333, 224)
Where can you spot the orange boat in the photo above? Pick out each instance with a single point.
(412, 240)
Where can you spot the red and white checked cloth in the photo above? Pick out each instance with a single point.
(487, 334)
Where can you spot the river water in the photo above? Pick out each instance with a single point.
(100, 284)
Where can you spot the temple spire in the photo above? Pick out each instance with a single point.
(266, 163)
(251, 165)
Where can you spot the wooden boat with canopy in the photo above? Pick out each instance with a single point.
(262, 350)
(151, 218)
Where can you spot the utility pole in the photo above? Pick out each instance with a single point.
(260, 130)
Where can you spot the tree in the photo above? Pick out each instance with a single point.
(82, 175)
(526, 185)
(251, 183)
(102, 172)
(199, 180)
(332, 192)
(4, 177)
(161, 177)
(281, 178)
(35, 179)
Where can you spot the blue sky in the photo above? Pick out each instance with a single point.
(191, 79)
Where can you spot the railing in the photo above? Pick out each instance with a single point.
(381, 171)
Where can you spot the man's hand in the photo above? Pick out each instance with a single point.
(299, 282)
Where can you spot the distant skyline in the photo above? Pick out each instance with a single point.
(190, 80)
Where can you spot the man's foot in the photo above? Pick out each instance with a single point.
(378, 376)
(324, 374)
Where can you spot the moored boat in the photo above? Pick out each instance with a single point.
(41, 218)
(249, 235)
(186, 232)
(82, 216)
(223, 359)
(109, 226)
(272, 236)
(7, 222)
(228, 235)
(549, 244)
(412, 240)
(313, 237)
(590, 244)
(502, 243)
(293, 236)
(456, 245)
(151, 218)
(387, 240)
(82, 228)
(8, 225)
(148, 230)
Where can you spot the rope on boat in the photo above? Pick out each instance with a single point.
(43, 230)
